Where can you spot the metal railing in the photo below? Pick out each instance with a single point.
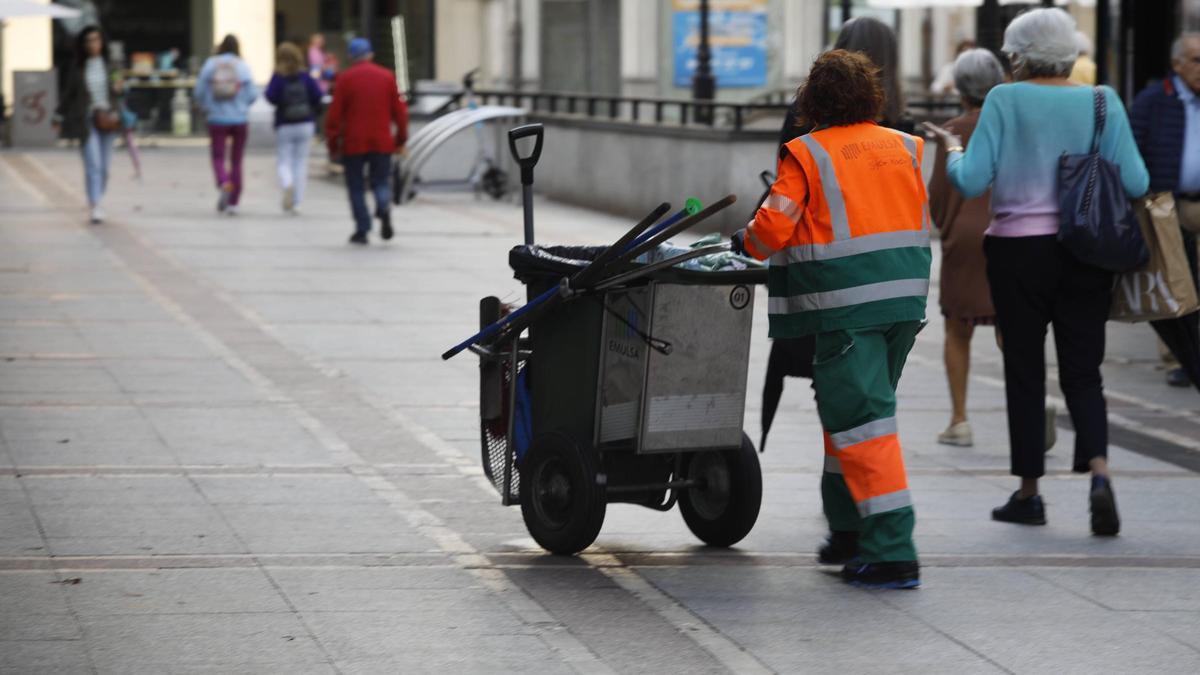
(724, 115)
(684, 112)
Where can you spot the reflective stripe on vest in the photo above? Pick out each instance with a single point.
(873, 429)
(846, 297)
(840, 249)
(783, 204)
(884, 503)
(839, 221)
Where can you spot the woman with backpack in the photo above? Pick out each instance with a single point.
(87, 112)
(297, 100)
(224, 91)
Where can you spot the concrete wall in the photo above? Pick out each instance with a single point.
(624, 170)
(628, 170)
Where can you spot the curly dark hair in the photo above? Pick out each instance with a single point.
(843, 88)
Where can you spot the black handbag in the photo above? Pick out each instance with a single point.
(1098, 225)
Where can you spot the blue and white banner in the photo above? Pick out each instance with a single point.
(737, 36)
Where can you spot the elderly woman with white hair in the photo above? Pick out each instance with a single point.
(1035, 282)
(965, 299)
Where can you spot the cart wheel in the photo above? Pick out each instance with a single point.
(562, 505)
(723, 508)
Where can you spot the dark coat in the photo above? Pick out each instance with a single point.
(75, 103)
(1158, 120)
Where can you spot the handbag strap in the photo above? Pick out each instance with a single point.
(1100, 108)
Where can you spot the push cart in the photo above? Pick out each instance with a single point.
(619, 382)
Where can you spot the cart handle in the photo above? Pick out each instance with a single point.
(560, 289)
(528, 162)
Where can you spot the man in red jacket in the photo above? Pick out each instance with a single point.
(366, 122)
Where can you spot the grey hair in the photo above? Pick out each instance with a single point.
(976, 71)
(1042, 42)
(1177, 46)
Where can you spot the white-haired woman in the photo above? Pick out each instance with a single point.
(1023, 130)
(965, 299)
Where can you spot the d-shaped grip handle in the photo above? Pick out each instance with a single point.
(526, 163)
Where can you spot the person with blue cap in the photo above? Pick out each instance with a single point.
(367, 123)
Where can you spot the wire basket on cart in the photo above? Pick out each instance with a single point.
(499, 455)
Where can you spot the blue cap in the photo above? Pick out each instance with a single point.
(359, 47)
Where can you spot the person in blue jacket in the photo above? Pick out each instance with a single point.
(1166, 125)
(297, 100)
(224, 91)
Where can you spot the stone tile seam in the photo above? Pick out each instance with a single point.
(727, 651)
(573, 651)
(724, 649)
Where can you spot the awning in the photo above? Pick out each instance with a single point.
(18, 9)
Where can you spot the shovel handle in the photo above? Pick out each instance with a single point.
(529, 161)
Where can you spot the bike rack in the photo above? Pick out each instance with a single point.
(425, 143)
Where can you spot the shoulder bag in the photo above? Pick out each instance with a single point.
(1098, 225)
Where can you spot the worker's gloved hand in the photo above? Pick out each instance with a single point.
(737, 242)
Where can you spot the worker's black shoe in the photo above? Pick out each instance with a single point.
(892, 575)
(840, 548)
(359, 238)
(385, 225)
(1028, 511)
(1105, 521)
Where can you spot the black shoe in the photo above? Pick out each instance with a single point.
(385, 225)
(1105, 521)
(359, 238)
(1178, 378)
(840, 548)
(892, 575)
(1028, 511)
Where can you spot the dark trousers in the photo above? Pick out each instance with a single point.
(1035, 283)
(378, 166)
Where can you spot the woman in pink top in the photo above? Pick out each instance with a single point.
(317, 61)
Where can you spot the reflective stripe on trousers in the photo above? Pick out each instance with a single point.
(847, 297)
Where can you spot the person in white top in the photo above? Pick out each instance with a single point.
(87, 112)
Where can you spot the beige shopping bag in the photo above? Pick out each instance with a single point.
(1163, 289)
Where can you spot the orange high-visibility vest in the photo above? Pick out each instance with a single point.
(846, 228)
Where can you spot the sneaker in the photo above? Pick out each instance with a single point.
(1028, 511)
(289, 199)
(1105, 521)
(223, 197)
(385, 225)
(1178, 378)
(957, 434)
(96, 216)
(1051, 427)
(889, 575)
(231, 210)
(359, 238)
(840, 548)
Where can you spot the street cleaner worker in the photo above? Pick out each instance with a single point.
(846, 229)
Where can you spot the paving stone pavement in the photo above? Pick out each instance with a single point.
(229, 445)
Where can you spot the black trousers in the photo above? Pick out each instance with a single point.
(1036, 283)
